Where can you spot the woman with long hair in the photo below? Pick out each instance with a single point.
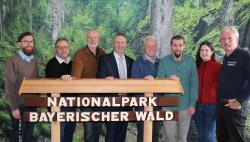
(208, 73)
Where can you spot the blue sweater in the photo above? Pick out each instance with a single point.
(143, 67)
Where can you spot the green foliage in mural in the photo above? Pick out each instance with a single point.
(108, 17)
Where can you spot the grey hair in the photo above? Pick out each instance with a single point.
(231, 29)
(149, 38)
(92, 30)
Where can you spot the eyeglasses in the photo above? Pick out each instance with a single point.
(27, 42)
(62, 47)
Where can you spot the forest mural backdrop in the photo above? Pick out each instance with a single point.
(196, 20)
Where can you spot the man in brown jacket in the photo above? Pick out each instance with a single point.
(85, 66)
(20, 65)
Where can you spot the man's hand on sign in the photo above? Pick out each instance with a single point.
(110, 78)
(67, 77)
(149, 77)
(174, 77)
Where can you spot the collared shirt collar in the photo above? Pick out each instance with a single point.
(60, 60)
(118, 56)
(90, 52)
(146, 57)
(24, 56)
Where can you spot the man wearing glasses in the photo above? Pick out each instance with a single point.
(60, 67)
(20, 65)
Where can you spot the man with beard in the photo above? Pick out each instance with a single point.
(85, 66)
(20, 65)
(179, 66)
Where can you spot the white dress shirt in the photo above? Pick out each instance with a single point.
(117, 59)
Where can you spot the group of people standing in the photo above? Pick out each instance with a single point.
(215, 94)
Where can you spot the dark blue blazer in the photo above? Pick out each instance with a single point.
(107, 66)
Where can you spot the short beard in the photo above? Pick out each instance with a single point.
(92, 45)
(177, 55)
(28, 53)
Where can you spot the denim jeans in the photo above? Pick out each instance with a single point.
(176, 131)
(205, 120)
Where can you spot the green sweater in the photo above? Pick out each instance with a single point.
(187, 72)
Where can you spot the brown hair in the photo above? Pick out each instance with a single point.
(198, 57)
(22, 35)
(177, 37)
(61, 39)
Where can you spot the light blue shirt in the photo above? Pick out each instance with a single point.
(123, 61)
(24, 56)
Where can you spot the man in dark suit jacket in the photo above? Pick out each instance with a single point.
(116, 65)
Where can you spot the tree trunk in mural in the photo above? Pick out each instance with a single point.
(142, 12)
(149, 7)
(245, 36)
(30, 15)
(227, 13)
(202, 3)
(4, 7)
(57, 10)
(1, 22)
(161, 24)
(118, 4)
